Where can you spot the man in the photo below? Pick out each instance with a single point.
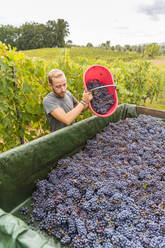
(61, 107)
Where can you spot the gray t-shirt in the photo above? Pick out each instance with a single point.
(51, 102)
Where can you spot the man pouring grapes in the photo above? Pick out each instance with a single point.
(60, 106)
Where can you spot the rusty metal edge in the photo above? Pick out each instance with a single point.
(148, 111)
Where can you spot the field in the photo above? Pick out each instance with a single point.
(83, 52)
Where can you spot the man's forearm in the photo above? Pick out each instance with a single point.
(85, 107)
(73, 114)
(68, 117)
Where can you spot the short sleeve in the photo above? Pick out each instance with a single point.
(49, 106)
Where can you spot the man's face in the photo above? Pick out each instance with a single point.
(59, 86)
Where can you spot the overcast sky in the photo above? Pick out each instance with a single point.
(120, 21)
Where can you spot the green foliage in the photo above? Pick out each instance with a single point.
(21, 93)
(9, 34)
(24, 84)
(68, 43)
(62, 30)
(136, 80)
(151, 50)
(89, 44)
(106, 45)
(32, 35)
(35, 35)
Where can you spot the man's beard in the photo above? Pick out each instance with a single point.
(58, 94)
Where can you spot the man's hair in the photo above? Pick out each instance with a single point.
(55, 73)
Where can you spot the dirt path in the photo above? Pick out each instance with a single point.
(159, 62)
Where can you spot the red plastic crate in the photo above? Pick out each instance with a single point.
(101, 73)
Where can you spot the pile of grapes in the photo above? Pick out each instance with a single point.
(112, 193)
(102, 101)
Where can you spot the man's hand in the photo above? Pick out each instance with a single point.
(87, 97)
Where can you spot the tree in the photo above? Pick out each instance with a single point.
(89, 44)
(62, 30)
(151, 50)
(9, 35)
(127, 47)
(35, 35)
(51, 33)
(106, 45)
(31, 36)
(69, 43)
(57, 32)
(118, 48)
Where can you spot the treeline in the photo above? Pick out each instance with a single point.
(138, 48)
(35, 35)
(152, 48)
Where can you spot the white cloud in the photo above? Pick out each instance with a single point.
(154, 10)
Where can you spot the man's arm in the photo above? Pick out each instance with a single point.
(68, 117)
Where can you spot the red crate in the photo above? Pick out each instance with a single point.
(101, 73)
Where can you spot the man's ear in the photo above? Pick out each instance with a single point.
(50, 85)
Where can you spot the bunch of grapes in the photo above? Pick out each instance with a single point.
(111, 193)
(102, 101)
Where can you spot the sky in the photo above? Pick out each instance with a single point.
(121, 22)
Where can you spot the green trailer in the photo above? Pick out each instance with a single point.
(22, 166)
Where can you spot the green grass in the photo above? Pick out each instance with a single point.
(89, 53)
(44, 53)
